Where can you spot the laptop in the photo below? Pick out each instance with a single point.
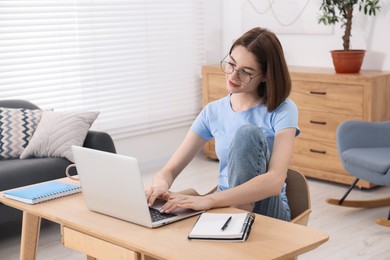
(112, 185)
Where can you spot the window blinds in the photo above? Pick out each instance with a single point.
(137, 62)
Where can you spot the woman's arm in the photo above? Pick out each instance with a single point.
(258, 188)
(164, 178)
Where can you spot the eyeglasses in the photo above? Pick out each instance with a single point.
(243, 76)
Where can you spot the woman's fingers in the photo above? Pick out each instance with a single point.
(152, 194)
(166, 196)
(178, 201)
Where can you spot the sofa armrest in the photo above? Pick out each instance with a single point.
(99, 141)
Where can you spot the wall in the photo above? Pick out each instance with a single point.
(152, 150)
(369, 33)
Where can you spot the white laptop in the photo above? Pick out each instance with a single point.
(112, 185)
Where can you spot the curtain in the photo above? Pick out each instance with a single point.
(137, 62)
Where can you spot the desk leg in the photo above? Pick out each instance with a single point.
(30, 235)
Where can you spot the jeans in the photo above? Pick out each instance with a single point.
(249, 157)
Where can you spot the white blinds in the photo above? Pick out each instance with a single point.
(137, 62)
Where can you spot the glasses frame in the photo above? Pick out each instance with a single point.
(222, 64)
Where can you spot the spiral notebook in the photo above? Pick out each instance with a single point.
(223, 227)
(41, 192)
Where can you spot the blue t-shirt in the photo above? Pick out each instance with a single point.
(218, 120)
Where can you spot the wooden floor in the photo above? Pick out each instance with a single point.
(353, 232)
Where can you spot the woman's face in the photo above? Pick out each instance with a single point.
(246, 68)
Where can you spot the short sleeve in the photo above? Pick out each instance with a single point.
(201, 125)
(286, 116)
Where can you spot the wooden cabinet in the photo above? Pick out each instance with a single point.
(213, 88)
(324, 99)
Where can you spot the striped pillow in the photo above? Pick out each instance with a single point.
(17, 125)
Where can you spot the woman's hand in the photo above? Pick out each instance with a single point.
(164, 178)
(157, 191)
(186, 201)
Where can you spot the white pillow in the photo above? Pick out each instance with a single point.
(57, 132)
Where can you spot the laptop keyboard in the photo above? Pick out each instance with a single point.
(157, 215)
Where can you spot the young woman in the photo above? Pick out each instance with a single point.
(254, 128)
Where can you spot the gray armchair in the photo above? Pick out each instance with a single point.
(16, 173)
(364, 151)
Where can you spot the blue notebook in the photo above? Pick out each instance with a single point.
(42, 192)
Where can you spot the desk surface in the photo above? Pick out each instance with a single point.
(270, 238)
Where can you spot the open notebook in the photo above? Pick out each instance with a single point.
(223, 226)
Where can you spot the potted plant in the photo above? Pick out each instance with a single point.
(341, 11)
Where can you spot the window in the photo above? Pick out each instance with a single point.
(137, 62)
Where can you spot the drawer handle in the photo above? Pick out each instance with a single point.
(318, 92)
(317, 122)
(317, 151)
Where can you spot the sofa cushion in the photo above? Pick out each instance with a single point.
(16, 173)
(57, 132)
(17, 126)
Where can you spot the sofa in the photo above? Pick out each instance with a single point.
(20, 172)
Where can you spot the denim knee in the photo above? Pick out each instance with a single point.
(248, 155)
(248, 139)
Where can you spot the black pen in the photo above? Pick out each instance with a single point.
(226, 223)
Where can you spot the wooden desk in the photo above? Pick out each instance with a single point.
(105, 237)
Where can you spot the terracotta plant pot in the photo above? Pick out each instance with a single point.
(347, 61)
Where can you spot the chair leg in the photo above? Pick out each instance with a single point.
(383, 222)
(348, 191)
(382, 202)
(340, 201)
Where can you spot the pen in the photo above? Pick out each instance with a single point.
(226, 223)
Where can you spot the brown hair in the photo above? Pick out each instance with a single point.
(269, 54)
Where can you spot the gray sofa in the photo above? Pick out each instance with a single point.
(16, 173)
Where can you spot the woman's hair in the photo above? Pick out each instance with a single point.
(269, 54)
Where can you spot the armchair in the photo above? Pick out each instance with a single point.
(364, 151)
(16, 172)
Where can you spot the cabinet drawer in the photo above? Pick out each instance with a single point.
(209, 150)
(316, 155)
(329, 98)
(321, 126)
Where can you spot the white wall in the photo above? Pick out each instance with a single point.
(370, 33)
(152, 150)
(213, 30)
(223, 25)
